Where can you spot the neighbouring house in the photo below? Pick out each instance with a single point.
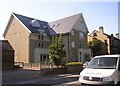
(31, 37)
(7, 55)
(110, 44)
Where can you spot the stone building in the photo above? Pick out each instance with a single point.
(110, 43)
(31, 37)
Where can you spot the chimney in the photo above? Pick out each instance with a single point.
(101, 29)
(117, 35)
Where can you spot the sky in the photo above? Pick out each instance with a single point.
(96, 14)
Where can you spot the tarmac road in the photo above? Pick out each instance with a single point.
(32, 78)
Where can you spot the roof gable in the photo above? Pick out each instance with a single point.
(84, 23)
(91, 34)
(64, 25)
(37, 26)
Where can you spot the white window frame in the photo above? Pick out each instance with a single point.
(73, 45)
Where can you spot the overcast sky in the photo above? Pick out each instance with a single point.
(95, 13)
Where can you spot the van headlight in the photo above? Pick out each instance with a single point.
(108, 79)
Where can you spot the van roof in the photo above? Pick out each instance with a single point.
(116, 55)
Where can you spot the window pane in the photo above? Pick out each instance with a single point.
(41, 57)
(72, 32)
(42, 37)
(103, 63)
(73, 45)
(44, 57)
(81, 35)
(81, 25)
(39, 44)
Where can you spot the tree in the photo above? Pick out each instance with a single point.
(56, 50)
(95, 45)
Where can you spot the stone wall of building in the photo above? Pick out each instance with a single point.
(18, 37)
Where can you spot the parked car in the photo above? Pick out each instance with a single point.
(16, 65)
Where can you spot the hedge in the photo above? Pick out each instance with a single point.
(74, 63)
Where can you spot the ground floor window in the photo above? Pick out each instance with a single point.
(44, 57)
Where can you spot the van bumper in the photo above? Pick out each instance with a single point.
(104, 83)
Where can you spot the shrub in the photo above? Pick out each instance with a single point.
(74, 63)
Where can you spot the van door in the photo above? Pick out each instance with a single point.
(119, 71)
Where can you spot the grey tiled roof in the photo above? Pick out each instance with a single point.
(43, 25)
(64, 25)
(60, 26)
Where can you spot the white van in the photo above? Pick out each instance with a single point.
(102, 70)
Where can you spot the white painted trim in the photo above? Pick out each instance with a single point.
(7, 26)
(21, 23)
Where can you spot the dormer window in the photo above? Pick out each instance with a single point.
(95, 34)
(35, 23)
(45, 26)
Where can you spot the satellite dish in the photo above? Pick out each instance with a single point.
(35, 23)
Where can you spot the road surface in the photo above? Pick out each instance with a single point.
(33, 78)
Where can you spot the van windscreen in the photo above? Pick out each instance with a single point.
(103, 63)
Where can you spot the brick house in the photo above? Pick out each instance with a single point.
(7, 55)
(31, 37)
(111, 44)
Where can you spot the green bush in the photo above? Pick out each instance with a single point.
(74, 63)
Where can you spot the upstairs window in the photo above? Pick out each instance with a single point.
(81, 35)
(73, 44)
(72, 32)
(40, 37)
(41, 45)
(81, 25)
